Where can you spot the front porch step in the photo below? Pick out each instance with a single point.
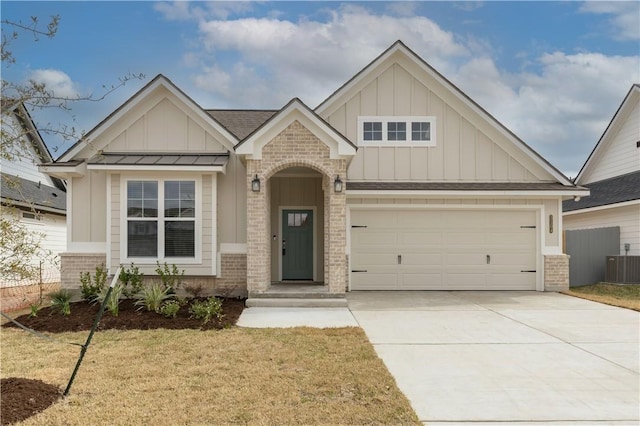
(297, 295)
(289, 302)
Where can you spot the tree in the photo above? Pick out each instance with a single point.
(18, 245)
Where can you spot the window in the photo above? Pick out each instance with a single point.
(31, 216)
(297, 219)
(161, 219)
(372, 131)
(396, 131)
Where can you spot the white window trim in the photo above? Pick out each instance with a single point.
(407, 119)
(124, 258)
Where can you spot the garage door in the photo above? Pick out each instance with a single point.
(443, 250)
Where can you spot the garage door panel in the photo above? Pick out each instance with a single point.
(444, 250)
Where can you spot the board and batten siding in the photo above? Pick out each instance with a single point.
(621, 154)
(626, 217)
(232, 203)
(467, 147)
(89, 208)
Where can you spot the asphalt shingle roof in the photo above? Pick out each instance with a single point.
(241, 123)
(609, 191)
(19, 190)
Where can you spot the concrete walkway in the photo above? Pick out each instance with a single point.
(526, 357)
(477, 358)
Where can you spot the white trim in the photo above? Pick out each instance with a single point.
(598, 208)
(69, 212)
(464, 193)
(197, 259)
(214, 223)
(339, 148)
(108, 224)
(539, 209)
(87, 247)
(157, 168)
(64, 172)
(400, 143)
(233, 248)
(314, 209)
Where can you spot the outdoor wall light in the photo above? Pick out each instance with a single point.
(255, 184)
(337, 184)
(551, 224)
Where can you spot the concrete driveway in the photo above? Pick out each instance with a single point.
(521, 357)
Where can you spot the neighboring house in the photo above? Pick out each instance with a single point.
(397, 181)
(608, 221)
(32, 197)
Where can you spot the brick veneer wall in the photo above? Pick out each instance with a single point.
(295, 146)
(72, 264)
(556, 272)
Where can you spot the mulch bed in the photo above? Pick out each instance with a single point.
(23, 398)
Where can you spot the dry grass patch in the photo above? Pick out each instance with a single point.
(624, 296)
(257, 376)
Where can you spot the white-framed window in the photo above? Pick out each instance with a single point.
(161, 220)
(31, 216)
(397, 131)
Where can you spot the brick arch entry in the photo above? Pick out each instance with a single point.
(295, 146)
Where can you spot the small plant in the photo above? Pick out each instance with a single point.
(170, 276)
(35, 307)
(151, 297)
(194, 290)
(113, 302)
(206, 310)
(61, 301)
(131, 279)
(92, 288)
(170, 308)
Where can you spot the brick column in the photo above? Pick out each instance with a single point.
(258, 255)
(556, 272)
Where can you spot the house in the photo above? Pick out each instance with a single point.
(397, 181)
(612, 173)
(36, 200)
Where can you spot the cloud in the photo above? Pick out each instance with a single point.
(625, 17)
(560, 111)
(307, 57)
(57, 82)
(468, 6)
(186, 11)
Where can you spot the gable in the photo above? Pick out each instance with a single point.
(470, 145)
(159, 118)
(618, 151)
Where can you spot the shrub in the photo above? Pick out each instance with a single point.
(194, 290)
(35, 307)
(131, 279)
(92, 288)
(61, 301)
(170, 308)
(206, 309)
(170, 276)
(151, 297)
(113, 302)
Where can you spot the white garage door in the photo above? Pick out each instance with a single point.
(443, 250)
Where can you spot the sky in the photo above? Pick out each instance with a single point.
(552, 72)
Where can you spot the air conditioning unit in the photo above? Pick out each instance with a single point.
(622, 269)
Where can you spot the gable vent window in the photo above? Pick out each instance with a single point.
(396, 131)
(31, 216)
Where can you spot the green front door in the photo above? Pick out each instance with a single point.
(297, 245)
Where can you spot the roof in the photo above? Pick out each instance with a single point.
(624, 107)
(25, 192)
(241, 123)
(456, 186)
(159, 159)
(325, 105)
(609, 191)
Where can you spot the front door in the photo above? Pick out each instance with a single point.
(297, 245)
